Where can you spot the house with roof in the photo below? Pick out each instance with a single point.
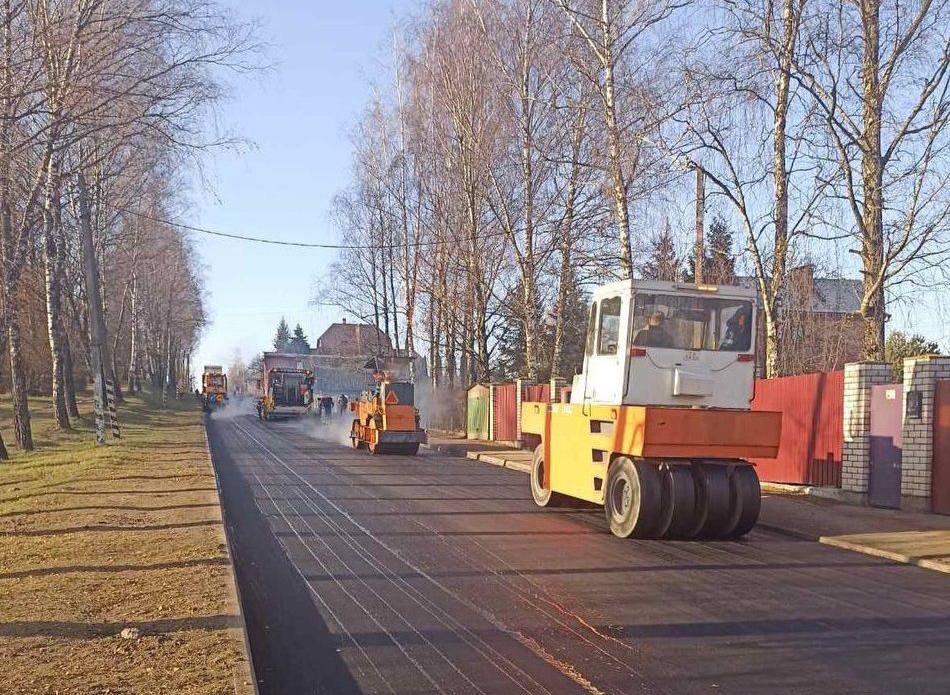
(822, 328)
(346, 356)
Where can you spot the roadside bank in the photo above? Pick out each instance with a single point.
(115, 569)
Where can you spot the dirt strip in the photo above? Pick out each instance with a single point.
(115, 575)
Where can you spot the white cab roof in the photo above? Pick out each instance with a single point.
(662, 286)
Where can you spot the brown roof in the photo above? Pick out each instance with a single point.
(353, 339)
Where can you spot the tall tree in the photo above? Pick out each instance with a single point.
(663, 262)
(282, 337)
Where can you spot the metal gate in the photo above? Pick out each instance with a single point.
(887, 421)
(940, 477)
(812, 429)
(477, 412)
(506, 412)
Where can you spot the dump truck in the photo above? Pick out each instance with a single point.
(659, 428)
(214, 387)
(386, 421)
(285, 393)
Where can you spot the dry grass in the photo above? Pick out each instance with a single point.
(97, 539)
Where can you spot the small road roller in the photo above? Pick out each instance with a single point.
(387, 421)
(659, 427)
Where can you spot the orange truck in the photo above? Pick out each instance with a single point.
(214, 387)
(387, 421)
(659, 427)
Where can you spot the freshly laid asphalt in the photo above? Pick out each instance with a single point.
(397, 574)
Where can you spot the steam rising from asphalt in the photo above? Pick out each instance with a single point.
(236, 407)
(335, 430)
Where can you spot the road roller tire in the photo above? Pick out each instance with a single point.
(408, 449)
(718, 522)
(542, 497)
(679, 502)
(747, 495)
(632, 498)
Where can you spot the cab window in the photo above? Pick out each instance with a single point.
(608, 330)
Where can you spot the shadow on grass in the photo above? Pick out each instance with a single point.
(36, 533)
(181, 564)
(77, 630)
(107, 508)
(102, 493)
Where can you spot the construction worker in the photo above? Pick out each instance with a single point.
(342, 402)
(654, 335)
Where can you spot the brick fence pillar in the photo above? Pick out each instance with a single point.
(920, 379)
(859, 377)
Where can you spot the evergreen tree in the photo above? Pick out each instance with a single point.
(662, 263)
(899, 345)
(722, 264)
(298, 342)
(509, 359)
(282, 337)
(719, 264)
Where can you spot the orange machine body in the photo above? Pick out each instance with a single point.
(387, 420)
(579, 441)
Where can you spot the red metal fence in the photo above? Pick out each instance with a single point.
(506, 414)
(812, 407)
(536, 393)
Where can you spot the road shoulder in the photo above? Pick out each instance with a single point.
(116, 573)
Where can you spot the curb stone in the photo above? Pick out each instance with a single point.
(499, 461)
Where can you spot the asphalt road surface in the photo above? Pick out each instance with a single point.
(397, 574)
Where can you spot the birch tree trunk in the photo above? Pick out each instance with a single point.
(54, 318)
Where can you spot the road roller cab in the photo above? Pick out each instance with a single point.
(659, 427)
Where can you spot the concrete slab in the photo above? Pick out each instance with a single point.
(928, 549)
(516, 460)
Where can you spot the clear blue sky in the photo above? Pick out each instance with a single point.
(298, 116)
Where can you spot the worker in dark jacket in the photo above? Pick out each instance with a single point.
(654, 335)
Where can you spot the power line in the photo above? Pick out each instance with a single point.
(302, 244)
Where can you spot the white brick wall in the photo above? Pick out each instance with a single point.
(859, 377)
(920, 374)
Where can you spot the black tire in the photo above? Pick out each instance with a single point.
(747, 494)
(718, 502)
(679, 502)
(411, 449)
(632, 498)
(542, 497)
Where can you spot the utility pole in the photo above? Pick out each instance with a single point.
(700, 222)
(97, 326)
